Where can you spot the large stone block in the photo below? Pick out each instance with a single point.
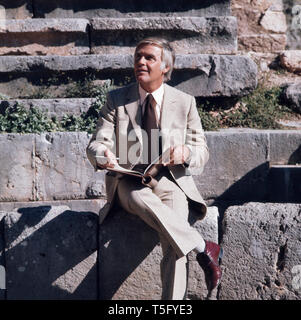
(49, 166)
(52, 107)
(17, 173)
(262, 255)
(16, 64)
(292, 94)
(44, 37)
(261, 25)
(51, 253)
(237, 166)
(119, 8)
(196, 35)
(215, 76)
(130, 255)
(198, 74)
(274, 21)
(291, 60)
(62, 168)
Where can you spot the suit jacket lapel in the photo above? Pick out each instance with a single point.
(168, 113)
(134, 110)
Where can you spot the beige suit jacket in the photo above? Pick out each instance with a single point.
(119, 129)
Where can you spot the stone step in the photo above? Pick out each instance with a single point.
(198, 74)
(53, 107)
(284, 183)
(54, 166)
(135, 8)
(215, 35)
(110, 35)
(45, 36)
(34, 237)
(85, 205)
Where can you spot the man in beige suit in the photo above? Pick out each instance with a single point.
(137, 123)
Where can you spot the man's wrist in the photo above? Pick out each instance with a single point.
(188, 158)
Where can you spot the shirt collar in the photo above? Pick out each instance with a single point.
(157, 94)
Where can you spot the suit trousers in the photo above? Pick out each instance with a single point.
(165, 209)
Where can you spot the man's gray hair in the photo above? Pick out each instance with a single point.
(167, 55)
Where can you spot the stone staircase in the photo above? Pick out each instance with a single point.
(56, 41)
(54, 44)
(49, 193)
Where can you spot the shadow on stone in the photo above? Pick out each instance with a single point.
(295, 157)
(51, 253)
(125, 242)
(164, 6)
(252, 187)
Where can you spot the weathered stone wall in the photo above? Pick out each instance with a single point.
(261, 25)
(269, 25)
(52, 252)
(270, 33)
(54, 166)
(262, 252)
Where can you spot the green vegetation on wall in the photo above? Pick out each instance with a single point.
(261, 109)
(18, 119)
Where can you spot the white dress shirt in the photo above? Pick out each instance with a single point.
(158, 96)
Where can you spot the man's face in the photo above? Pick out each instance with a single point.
(147, 67)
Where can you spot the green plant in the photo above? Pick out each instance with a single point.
(261, 109)
(3, 96)
(209, 122)
(87, 120)
(17, 119)
(84, 88)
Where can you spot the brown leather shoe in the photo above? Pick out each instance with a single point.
(208, 260)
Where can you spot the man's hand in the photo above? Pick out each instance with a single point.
(178, 155)
(108, 161)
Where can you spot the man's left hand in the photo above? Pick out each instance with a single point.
(178, 155)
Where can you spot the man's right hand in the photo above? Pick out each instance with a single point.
(108, 161)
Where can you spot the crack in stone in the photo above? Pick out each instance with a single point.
(280, 264)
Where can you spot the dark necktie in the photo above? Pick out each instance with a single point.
(149, 122)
